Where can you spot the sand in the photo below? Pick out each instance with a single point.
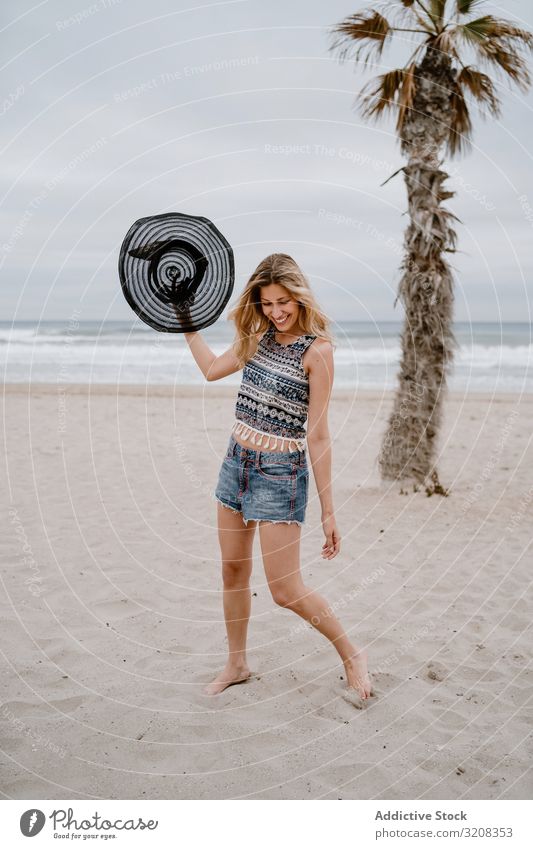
(112, 621)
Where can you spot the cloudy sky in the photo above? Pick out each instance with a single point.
(118, 109)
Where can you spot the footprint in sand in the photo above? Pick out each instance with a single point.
(353, 698)
(436, 671)
(338, 703)
(34, 710)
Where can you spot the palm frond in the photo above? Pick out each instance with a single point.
(361, 35)
(393, 90)
(436, 10)
(460, 123)
(406, 94)
(499, 42)
(426, 24)
(466, 7)
(406, 14)
(480, 86)
(416, 13)
(445, 42)
(490, 27)
(399, 15)
(380, 94)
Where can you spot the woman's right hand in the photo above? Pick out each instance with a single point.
(332, 545)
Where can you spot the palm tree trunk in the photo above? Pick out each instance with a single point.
(426, 287)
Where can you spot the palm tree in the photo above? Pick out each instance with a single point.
(429, 96)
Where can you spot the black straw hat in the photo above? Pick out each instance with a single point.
(176, 271)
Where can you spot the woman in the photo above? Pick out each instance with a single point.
(284, 345)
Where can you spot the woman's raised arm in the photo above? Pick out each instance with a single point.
(211, 366)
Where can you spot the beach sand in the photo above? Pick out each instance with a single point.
(112, 618)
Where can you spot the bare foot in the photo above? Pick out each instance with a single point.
(229, 675)
(357, 674)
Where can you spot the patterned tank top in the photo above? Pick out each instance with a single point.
(273, 398)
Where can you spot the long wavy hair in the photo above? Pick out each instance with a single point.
(250, 320)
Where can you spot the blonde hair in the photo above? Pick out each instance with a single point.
(250, 320)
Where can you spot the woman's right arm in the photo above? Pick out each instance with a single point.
(211, 366)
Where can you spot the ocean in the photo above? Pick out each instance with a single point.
(490, 357)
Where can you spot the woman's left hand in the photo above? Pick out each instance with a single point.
(332, 545)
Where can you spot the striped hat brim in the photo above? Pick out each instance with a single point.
(176, 271)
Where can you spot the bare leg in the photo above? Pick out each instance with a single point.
(236, 544)
(280, 546)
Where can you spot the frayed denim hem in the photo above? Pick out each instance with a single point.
(279, 521)
(252, 519)
(233, 509)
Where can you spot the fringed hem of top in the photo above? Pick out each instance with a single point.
(257, 437)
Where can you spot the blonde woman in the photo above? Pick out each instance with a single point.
(284, 346)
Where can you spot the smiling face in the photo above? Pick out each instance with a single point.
(280, 307)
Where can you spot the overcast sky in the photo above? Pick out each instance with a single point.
(237, 111)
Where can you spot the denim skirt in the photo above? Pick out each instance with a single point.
(269, 486)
